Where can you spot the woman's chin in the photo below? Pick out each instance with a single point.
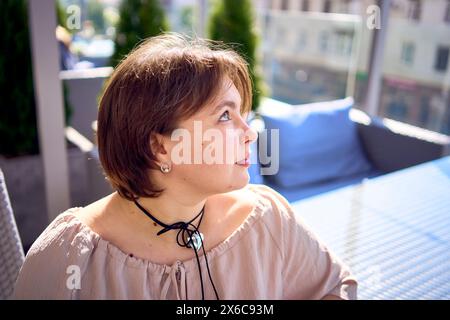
(242, 179)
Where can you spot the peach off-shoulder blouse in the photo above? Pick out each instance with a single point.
(271, 255)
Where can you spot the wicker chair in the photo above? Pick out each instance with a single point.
(11, 250)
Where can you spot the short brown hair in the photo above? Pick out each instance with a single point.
(164, 80)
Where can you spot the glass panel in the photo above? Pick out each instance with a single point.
(416, 75)
(91, 24)
(323, 54)
(311, 55)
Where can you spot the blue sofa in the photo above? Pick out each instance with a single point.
(328, 145)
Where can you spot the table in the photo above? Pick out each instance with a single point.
(393, 231)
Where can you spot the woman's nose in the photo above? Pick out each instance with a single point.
(250, 135)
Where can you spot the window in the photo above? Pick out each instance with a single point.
(415, 9)
(424, 109)
(273, 5)
(343, 42)
(323, 41)
(398, 109)
(280, 37)
(345, 6)
(447, 12)
(442, 54)
(305, 5)
(302, 41)
(327, 6)
(407, 55)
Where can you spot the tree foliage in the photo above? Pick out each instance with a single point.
(139, 19)
(18, 127)
(233, 23)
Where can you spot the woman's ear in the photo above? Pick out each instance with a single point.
(157, 146)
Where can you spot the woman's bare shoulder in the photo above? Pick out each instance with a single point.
(234, 207)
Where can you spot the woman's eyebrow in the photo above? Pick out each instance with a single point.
(223, 104)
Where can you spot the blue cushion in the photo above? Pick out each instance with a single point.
(317, 142)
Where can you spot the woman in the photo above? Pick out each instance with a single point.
(183, 222)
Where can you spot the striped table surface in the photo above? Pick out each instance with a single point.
(393, 231)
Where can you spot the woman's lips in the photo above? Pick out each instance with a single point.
(244, 162)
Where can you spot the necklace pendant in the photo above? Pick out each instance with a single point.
(196, 240)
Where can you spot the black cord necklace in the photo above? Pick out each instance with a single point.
(188, 236)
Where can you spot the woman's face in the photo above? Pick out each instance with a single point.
(210, 151)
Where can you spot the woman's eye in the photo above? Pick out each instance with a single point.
(225, 116)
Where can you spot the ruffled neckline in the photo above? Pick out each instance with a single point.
(135, 262)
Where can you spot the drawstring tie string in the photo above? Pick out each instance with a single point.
(188, 236)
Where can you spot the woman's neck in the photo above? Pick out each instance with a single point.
(169, 208)
(130, 218)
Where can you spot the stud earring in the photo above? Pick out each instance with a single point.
(165, 168)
